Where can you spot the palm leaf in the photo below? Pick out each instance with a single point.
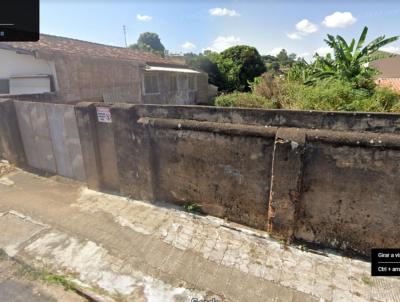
(362, 38)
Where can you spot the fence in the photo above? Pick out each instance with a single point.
(329, 178)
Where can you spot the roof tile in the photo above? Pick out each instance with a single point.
(53, 44)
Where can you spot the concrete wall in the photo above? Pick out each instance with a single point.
(45, 136)
(183, 96)
(11, 146)
(97, 141)
(96, 79)
(321, 177)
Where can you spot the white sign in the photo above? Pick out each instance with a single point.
(103, 114)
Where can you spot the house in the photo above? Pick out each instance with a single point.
(68, 70)
(389, 71)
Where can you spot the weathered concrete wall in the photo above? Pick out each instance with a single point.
(350, 196)
(227, 174)
(96, 79)
(50, 138)
(323, 177)
(182, 96)
(98, 149)
(11, 147)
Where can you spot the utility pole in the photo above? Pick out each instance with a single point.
(124, 28)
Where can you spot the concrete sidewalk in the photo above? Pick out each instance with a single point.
(134, 251)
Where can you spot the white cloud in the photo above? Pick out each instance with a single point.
(306, 27)
(304, 54)
(221, 12)
(188, 46)
(275, 51)
(221, 43)
(391, 49)
(324, 50)
(294, 36)
(339, 19)
(143, 18)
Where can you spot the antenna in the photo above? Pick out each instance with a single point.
(124, 29)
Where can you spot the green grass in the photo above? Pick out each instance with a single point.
(46, 277)
(366, 280)
(192, 207)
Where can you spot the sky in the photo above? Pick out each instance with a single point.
(299, 26)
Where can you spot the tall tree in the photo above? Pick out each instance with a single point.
(207, 63)
(149, 41)
(239, 65)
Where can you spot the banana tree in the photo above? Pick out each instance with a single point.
(350, 58)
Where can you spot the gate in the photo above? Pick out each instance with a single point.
(50, 138)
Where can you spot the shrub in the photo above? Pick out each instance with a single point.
(244, 99)
(266, 86)
(387, 99)
(338, 95)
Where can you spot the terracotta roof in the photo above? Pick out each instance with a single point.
(390, 82)
(52, 44)
(388, 68)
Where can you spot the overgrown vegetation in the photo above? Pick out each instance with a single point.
(232, 69)
(244, 99)
(341, 82)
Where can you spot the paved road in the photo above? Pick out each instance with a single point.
(19, 283)
(16, 291)
(158, 253)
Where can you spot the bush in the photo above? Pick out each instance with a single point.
(387, 99)
(266, 86)
(244, 99)
(338, 96)
(327, 95)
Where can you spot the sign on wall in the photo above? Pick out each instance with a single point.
(103, 114)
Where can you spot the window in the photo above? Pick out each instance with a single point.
(4, 86)
(192, 82)
(151, 83)
(173, 83)
(30, 84)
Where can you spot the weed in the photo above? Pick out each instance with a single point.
(46, 277)
(192, 207)
(3, 255)
(366, 280)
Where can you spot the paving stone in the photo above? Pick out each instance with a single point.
(178, 247)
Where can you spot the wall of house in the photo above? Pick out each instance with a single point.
(96, 79)
(182, 96)
(13, 64)
(79, 78)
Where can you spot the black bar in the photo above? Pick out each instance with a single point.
(385, 262)
(19, 20)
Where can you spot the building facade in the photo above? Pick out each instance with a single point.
(67, 70)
